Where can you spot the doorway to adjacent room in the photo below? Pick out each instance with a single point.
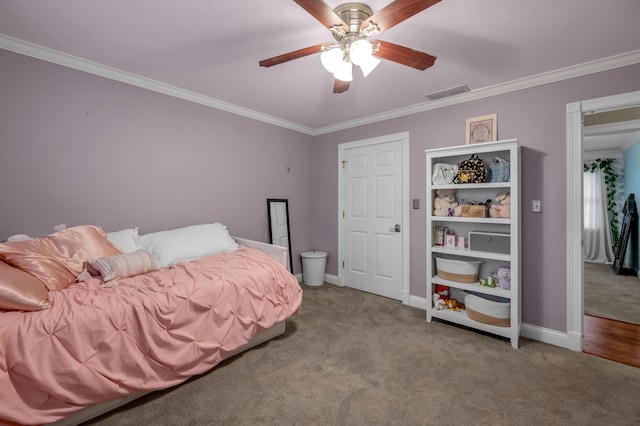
(604, 337)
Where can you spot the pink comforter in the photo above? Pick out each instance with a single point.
(149, 332)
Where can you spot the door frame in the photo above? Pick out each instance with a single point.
(575, 273)
(403, 137)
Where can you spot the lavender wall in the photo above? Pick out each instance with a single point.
(537, 118)
(77, 148)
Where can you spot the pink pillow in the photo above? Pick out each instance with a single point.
(80, 243)
(58, 259)
(21, 291)
(39, 258)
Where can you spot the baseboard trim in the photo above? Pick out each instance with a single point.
(547, 335)
(533, 332)
(328, 278)
(418, 302)
(574, 342)
(332, 279)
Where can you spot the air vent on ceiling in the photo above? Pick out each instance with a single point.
(447, 92)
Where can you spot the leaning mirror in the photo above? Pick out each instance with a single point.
(279, 234)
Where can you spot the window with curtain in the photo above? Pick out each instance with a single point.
(598, 241)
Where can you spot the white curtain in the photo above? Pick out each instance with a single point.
(598, 242)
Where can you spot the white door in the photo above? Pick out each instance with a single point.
(372, 218)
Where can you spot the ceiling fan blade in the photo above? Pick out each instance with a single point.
(396, 12)
(340, 86)
(403, 55)
(296, 54)
(322, 12)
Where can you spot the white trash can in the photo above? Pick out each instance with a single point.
(313, 266)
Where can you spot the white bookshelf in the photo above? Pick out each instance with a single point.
(510, 151)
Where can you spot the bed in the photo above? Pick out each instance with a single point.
(116, 332)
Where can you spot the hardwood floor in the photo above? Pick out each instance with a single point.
(611, 339)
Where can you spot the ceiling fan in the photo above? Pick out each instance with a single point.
(351, 24)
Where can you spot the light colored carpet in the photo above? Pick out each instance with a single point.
(611, 296)
(352, 358)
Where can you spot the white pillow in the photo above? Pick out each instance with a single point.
(188, 243)
(127, 240)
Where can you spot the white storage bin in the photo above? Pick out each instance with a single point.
(462, 271)
(488, 309)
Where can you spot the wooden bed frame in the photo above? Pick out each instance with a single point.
(280, 254)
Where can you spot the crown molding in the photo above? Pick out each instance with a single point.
(633, 139)
(50, 55)
(617, 61)
(615, 127)
(615, 154)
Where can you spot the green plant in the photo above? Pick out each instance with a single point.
(610, 178)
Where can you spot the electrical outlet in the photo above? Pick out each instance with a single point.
(536, 206)
(416, 203)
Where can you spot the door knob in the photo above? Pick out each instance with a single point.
(395, 228)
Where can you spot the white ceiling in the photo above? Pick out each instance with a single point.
(618, 142)
(212, 47)
(615, 136)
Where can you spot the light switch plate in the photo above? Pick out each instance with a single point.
(416, 203)
(536, 206)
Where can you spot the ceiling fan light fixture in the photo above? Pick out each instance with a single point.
(331, 59)
(360, 51)
(344, 72)
(361, 54)
(350, 25)
(369, 65)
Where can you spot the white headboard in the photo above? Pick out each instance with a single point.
(278, 253)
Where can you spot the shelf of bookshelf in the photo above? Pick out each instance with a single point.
(498, 185)
(461, 318)
(475, 287)
(489, 220)
(471, 253)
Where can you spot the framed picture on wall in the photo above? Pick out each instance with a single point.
(482, 129)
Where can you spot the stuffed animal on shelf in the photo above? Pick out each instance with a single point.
(442, 291)
(504, 277)
(445, 203)
(454, 305)
(503, 209)
(438, 304)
